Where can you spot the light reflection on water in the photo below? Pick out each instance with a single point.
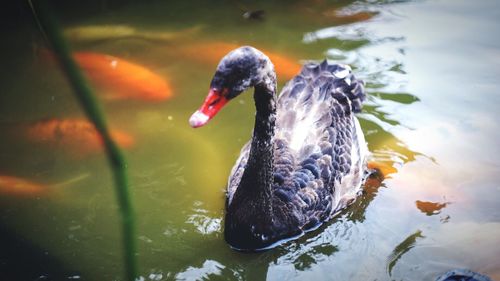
(430, 114)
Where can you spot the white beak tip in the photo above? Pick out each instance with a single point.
(198, 119)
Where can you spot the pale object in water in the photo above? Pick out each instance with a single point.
(93, 33)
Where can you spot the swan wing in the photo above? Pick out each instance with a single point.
(317, 129)
(309, 102)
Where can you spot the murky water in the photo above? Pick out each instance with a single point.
(432, 72)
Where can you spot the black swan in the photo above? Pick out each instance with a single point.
(307, 157)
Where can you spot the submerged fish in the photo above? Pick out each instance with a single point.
(18, 186)
(254, 15)
(382, 168)
(340, 17)
(430, 208)
(77, 135)
(331, 13)
(11, 185)
(211, 52)
(120, 79)
(93, 33)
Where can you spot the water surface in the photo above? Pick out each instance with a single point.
(431, 70)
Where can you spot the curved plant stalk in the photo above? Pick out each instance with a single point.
(90, 105)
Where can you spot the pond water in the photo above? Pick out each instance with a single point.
(431, 121)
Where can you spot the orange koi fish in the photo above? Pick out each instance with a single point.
(211, 52)
(430, 208)
(330, 13)
(383, 169)
(342, 18)
(10, 185)
(74, 134)
(120, 79)
(17, 186)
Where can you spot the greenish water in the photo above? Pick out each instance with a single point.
(431, 70)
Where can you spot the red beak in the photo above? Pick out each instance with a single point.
(214, 101)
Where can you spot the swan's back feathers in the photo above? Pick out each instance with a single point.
(320, 150)
(333, 79)
(311, 101)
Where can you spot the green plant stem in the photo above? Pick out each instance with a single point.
(94, 113)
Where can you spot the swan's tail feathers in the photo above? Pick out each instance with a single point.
(338, 81)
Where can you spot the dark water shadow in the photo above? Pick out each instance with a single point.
(22, 260)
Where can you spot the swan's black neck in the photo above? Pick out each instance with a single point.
(258, 173)
(257, 179)
(250, 212)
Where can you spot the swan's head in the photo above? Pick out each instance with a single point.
(239, 70)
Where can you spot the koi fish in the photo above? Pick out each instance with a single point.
(18, 186)
(21, 187)
(430, 208)
(343, 18)
(383, 169)
(73, 134)
(211, 52)
(95, 33)
(325, 13)
(254, 15)
(120, 79)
